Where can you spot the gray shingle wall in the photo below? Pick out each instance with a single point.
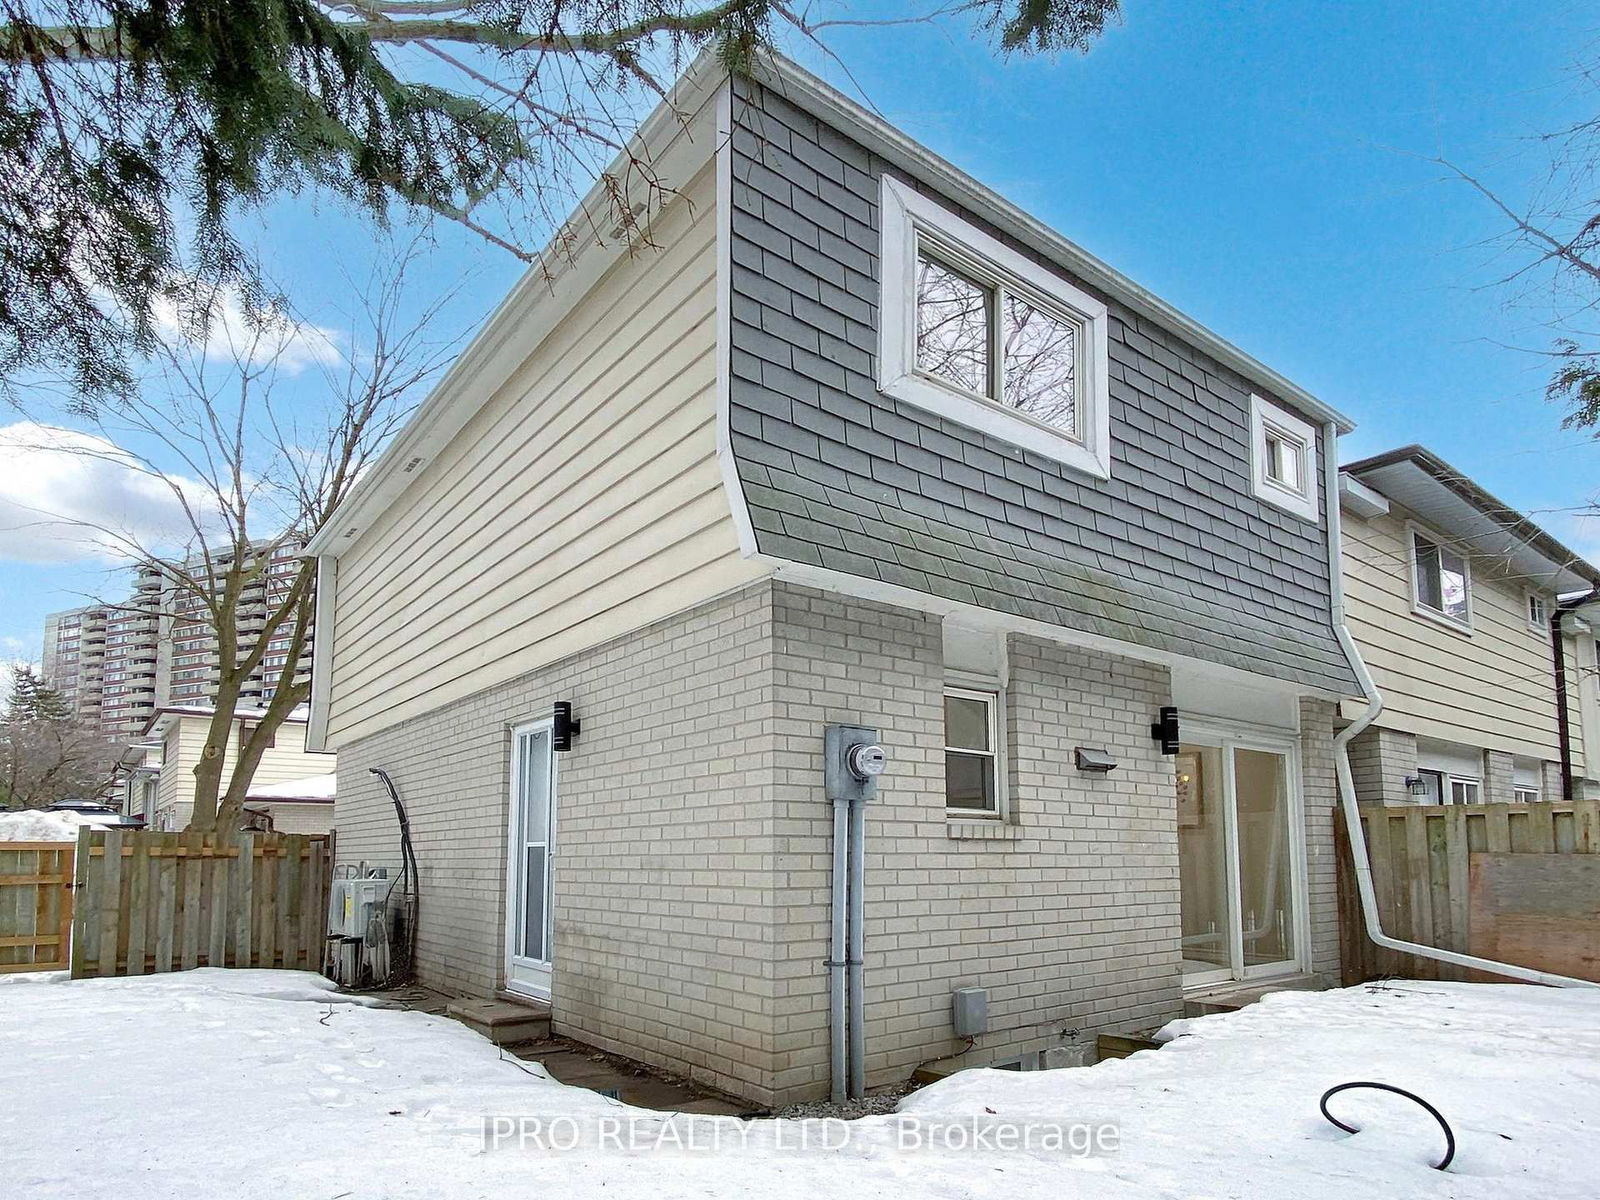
(1173, 552)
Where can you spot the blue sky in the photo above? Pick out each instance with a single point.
(1259, 165)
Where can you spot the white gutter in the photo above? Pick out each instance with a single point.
(1346, 781)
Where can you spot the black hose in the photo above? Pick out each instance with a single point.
(409, 874)
(1449, 1136)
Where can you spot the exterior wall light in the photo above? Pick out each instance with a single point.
(1165, 730)
(1416, 785)
(563, 727)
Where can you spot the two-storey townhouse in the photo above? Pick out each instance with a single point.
(844, 438)
(1452, 597)
(290, 784)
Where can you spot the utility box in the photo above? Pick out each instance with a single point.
(969, 1011)
(852, 760)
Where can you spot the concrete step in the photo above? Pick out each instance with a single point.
(505, 1023)
(1233, 997)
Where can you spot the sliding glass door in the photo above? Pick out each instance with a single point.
(1239, 855)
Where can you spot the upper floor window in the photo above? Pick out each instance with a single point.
(1538, 613)
(1441, 581)
(974, 331)
(1283, 458)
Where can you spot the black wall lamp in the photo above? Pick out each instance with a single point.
(563, 728)
(1165, 730)
(1416, 785)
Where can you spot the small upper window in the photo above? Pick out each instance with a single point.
(1283, 458)
(1465, 791)
(1442, 581)
(1538, 612)
(971, 761)
(1526, 795)
(979, 333)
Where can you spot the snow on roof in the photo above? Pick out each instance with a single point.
(315, 787)
(297, 716)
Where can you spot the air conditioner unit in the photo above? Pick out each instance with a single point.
(351, 903)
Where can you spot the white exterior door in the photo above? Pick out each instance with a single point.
(531, 834)
(1241, 857)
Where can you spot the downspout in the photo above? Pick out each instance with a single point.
(1558, 649)
(1341, 759)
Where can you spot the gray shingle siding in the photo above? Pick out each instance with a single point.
(1173, 552)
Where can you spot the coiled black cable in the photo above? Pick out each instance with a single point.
(1449, 1135)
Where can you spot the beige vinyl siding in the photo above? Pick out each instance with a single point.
(286, 760)
(583, 499)
(1494, 689)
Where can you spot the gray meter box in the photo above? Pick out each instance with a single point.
(852, 762)
(969, 1011)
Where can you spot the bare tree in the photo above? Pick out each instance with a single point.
(1552, 236)
(252, 471)
(46, 752)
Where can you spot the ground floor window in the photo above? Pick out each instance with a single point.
(971, 752)
(1239, 846)
(1527, 795)
(1466, 791)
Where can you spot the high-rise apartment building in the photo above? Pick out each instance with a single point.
(117, 663)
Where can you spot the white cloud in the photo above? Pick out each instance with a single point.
(56, 481)
(230, 335)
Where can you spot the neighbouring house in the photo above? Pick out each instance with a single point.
(1452, 597)
(842, 437)
(295, 806)
(171, 745)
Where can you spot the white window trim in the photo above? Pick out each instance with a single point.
(902, 213)
(1418, 608)
(1466, 781)
(1302, 503)
(1527, 611)
(1228, 736)
(1528, 789)
(971, 688)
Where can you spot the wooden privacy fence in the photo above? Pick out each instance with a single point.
(153, 902)
(35, 905)
(1514, 882)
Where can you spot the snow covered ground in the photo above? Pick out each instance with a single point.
(261, 1085)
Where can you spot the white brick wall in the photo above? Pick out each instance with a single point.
(1070, 918)
(664, 872)
(694, 843)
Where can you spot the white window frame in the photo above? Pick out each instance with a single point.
(1301, 501)
(994, 699)
(1460, 625)
(905, 214)
(1541, 623)
(1524, 793)
(1471, 789)
(1226, 737)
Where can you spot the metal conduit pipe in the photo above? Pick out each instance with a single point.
(838, 1049)
(1346, 780)
(858, 949)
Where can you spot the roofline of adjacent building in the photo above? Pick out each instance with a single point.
(203, 710)
(539, 292)
(1480, 498)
